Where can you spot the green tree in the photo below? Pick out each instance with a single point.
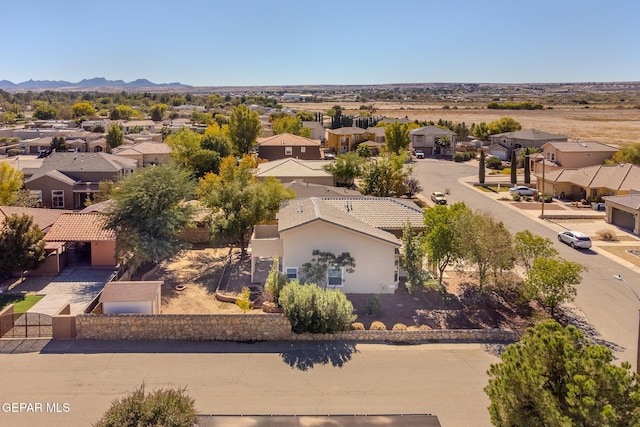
(164, 407)
(442, 243)
(345, 168)
(149, 212)
(555, 377)
(44, 111)
(397, 137)
(529, 247)
(10, 183)
(514, 168)
(527, 166)
(59, 144)
(122, 112)
(481, 168)
(444, 143)
(105, 191)
(315, 271)
(552, 281)
(412, 257)
(628, 154)
(244, 128)
(157, 112)
(312, 309)
(184, 144)
(21, 244)
(115, 136)
(238, 201)
(385, 177)
(481, 131)
(83, 109)
(305, 116)
(503, 124)
(288, 124)
(363, 150)
(275, 280)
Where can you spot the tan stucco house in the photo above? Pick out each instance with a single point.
(144, 153)
(346, 139)
(366, 228)
(286, 145)
(571, 155)
(624, 211)
(290, 169)
(426, 139)
(531, 138)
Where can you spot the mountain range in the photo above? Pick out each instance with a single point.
(94, 83)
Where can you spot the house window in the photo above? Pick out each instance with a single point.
(292, 273)
(303, 149)
(334, 276)
(57, 198)
(280, 264)
(288, 151)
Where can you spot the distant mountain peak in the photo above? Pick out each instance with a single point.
(95, 82)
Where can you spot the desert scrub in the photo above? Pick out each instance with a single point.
(607, 235)
(378, 326)
(357, 326)
(243, 300)
(399, 327)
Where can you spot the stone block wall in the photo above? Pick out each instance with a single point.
(254, 327)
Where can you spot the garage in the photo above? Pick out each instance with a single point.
(624, 211)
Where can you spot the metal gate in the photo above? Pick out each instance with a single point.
(26, 325)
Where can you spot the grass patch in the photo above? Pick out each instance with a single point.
(493, 188)
(21, 303)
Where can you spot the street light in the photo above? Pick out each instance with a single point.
(619, 277)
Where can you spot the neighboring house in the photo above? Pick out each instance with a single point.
(426, 139)
(498, 151)
(524, 138)
(131, 298)
(624, 211)
(287, 170)
(43, 218)
(287, 145)
(317, 130)
(142, 125)
(306, 189)
(573, 155)
(337, 225)
(85, 235)
(144, 153)
(66, 180)
(377, 135)
(592, 182)
(346, 139)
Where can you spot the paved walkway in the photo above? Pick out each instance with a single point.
(77, 287)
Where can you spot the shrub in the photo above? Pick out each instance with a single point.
(316, 310)
(357, 326)
(516, 197)
(399, 327)
(527, 198)
(275, 281)
(14, 152)
(373, 307)
(243, 300)
(493, 163)
(458, 157)
(160, 408)
(424, 328)
(378, 326)
(607, 235)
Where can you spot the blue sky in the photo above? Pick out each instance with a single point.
(278, 42)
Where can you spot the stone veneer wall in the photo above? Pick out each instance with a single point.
(252, 327)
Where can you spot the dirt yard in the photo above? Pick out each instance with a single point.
(199, 271)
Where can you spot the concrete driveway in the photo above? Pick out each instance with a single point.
(77, 287)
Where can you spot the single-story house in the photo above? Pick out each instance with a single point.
(426, 139)
(365, 228)
(131, 298)
(144, 153)
(286, 145)
(290, 169)
(85, 235)
(591, 183)
(572, 155)
(624, 211)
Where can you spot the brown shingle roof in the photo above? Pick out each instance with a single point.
(580, 147)
(614, 177)
(351, 130)
(287, 139)
(381, 212)
(44, 218)
(80, 227)
(631, 201)
(130, 291)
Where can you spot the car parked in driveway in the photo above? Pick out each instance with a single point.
(439, 198)
(419, 154)
(523, 190)
(575, 239)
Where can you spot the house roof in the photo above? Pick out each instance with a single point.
(287, 139)
(381, 212)
(307, 189)
(57, 175)
(144, 147)
(98, 207)
(615, 177)
(80, 227)
(84, 162)
(530, 135)
(43, 218)
(130, 291)
(348, 130)
(580, 147)
(432, 130)
(291, 167)
(298, 212)
(630, 201)
(376, 131)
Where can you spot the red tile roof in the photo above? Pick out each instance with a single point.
(80, 227)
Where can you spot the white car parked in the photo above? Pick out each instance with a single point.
(523, 190)
(575, 239)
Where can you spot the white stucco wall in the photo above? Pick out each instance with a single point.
(374, 258)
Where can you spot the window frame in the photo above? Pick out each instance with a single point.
(289, 276)
(329, 276)
(59, 196)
